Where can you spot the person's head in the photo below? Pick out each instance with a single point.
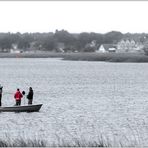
(18, 89)
(23, 92)
(30, 88)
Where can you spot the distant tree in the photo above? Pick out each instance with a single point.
(143, 38)
(24, 41)
(145, 48)
(97, 37)
(72, 42)
(49, 43)
(65, 37)
(89, 49)
(112, 37)
(5, 41)
(84, 38)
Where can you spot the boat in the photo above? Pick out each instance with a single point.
(25, 108)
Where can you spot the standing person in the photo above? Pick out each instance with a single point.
(23, 93)
(18, 96)
(30, 95)
(1, 90)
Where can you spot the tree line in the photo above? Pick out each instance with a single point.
(72, 41)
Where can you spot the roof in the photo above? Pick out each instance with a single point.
(131, 39)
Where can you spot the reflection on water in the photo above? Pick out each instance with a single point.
(79, 98)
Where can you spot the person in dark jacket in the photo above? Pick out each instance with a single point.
(1, 90)
(18, 96)
(30, 95)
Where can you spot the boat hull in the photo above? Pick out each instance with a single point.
(27, 108)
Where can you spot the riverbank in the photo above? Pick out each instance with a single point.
(107, 57)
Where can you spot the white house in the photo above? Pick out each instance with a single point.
(106, 48)
(15, 49)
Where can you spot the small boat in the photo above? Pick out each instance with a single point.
(25, 108)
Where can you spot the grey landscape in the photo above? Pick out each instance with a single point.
(87, 65)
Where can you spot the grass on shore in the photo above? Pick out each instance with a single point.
(41, 143)
(101, 142)
(107, 57)
(22, 143)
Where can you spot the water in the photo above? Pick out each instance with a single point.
(80, 99)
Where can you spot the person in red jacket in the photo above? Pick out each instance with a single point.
(18, 96)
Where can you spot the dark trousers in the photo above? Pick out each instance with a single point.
(18, 102)
(30, 101)
(0, 99)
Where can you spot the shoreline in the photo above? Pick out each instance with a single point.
(106, 57)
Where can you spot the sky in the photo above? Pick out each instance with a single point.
(74, 16)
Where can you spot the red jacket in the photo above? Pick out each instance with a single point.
(18, 95)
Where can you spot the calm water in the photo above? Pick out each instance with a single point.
(80, 99)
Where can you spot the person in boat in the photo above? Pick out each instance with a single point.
(30, 96)
(18, 96)
(23, 92)
(1, 90)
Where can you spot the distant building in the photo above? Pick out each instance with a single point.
(106, 48)
(15, 49)
(129, 45)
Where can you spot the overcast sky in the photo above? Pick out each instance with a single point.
(74, 16)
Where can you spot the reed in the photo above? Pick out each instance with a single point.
(22, 143)
(101, 142)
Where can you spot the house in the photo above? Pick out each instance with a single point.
(129, 45)
(106, 48)
(15, 49)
